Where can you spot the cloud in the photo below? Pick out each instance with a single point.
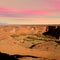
(26, 13)
(29, 8)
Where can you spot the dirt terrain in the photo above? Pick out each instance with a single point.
(31, 42)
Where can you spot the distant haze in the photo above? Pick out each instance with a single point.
(30, 21)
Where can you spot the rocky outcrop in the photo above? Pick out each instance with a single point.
(53, 31)
(23, 29)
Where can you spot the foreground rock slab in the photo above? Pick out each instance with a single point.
(10, 48)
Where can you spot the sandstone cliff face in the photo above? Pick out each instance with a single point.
(23, 29)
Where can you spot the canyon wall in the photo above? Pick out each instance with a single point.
(21, 29)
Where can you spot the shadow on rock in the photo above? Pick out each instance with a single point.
(5, 56)
(53, 31)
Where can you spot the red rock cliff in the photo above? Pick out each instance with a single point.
(23, 29)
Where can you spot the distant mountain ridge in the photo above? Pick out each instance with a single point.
(3, 23)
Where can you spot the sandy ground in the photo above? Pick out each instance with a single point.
(45, 50)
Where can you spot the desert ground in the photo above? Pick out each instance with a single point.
(29, 42)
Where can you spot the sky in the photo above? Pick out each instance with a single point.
(29, 9)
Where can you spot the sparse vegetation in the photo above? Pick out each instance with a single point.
(33, 39)
(14, 35)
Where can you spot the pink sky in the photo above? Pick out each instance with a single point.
(29, 12)
(28, 8)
